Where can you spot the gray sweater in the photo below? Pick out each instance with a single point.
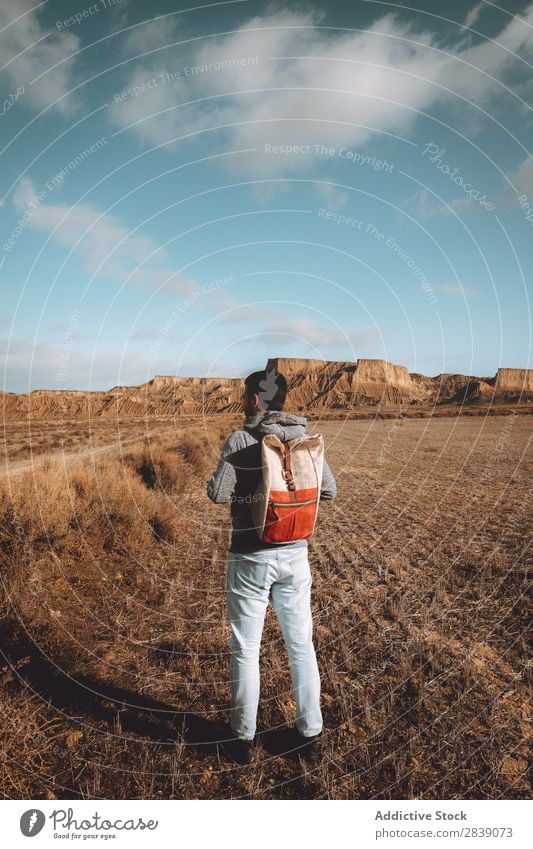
(239, 472)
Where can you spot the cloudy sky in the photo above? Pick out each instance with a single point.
(190, 192)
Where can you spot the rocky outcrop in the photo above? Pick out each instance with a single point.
(323, 383)
(314, 385)
(514, 380)
(458, 389)
(290, 366)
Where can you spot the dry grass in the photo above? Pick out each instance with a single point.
(24, 444)
(115, 670)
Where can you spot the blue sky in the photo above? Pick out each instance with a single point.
(191, 192)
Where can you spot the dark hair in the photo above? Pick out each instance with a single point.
(271, 386)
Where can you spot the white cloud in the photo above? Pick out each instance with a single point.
(241, 314)
(331, 195)
(522, 179)
(30, 49)
(104, 245)
(268, 321)
(66, 331)
(41, 364)
(156, 98)
(154, 334)
(473, 15)
(150, 35)
(31, 363)
(318, 98)
(493, 58)
(324, 338)
(423, 205)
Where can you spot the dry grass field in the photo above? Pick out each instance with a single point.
(114, 664)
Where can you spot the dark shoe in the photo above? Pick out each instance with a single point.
(311, 749)
(240, 750)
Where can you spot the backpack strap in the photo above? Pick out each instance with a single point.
(287, 468)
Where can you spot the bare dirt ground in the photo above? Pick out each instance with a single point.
(114, 680)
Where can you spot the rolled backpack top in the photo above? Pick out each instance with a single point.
(285, 504)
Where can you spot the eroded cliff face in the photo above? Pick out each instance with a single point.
(514, 379)
(290, 366)
(334, 385)
(314, 385)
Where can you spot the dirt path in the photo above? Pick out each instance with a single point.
(114, 447)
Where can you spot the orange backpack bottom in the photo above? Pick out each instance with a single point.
(290, 515)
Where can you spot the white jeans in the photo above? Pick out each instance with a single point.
(284, 575)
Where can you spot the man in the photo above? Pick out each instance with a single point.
(257, 571)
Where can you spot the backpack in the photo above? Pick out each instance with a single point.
(285, 504)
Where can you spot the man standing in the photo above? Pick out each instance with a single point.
(258, 571)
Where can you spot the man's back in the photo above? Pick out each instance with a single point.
(239, 473)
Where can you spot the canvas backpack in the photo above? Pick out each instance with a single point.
(285, 504)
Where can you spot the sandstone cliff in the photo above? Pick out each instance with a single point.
(338, 385)
(314, 385)
(514, 380)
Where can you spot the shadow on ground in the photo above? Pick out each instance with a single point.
(79, 694)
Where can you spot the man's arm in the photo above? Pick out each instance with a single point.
(222, 484)
(328, 490)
